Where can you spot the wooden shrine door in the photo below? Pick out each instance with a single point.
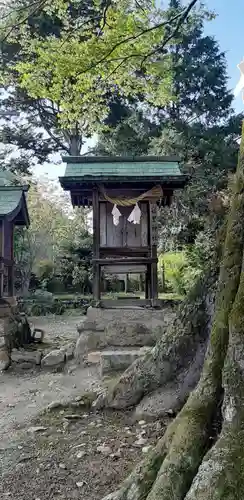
(126, 234)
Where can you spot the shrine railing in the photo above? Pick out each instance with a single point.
(6, 277)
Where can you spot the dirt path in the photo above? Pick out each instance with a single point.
(68, 453)
(23, 394)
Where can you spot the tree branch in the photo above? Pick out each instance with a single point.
(48, 130)
(182, 17)
(181, 20)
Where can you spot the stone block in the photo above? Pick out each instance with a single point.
(94, 357)
(30, 357)
(53, 359)
(117, 360)
(69, 351)
(121, 328)
(4, 360)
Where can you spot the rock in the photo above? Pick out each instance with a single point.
(99, 402)
(4, 360)
(80, 484)
(81, 348)
(86, 324)
(105, 450)
(140, 442)
(141, 422)
(54, 405)
(146, 449)
(69, 352)
(73, 416)
(142, 432)
(53, 359)
(81, 445)
(37, 429)
(94, 357)
(81, 454)
(158, 426)
(62, 466)
(116, 455)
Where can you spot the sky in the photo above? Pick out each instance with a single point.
(228, 30)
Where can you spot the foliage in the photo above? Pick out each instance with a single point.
(174, 264)
(112, 49)
(199, 72)
(131, 135)
(74, 264)
(41, 303)
(45, 269)
(37, 249)
(181, 271)
(198, 126)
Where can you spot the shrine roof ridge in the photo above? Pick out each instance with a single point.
(84, 169)
(120, 159)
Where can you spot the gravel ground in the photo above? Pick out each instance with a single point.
(76, 453)
(81, 459)
(23, 394)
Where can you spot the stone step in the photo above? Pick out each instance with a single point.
(115, 359)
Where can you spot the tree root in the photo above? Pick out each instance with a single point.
(174, 352)
(168, 471)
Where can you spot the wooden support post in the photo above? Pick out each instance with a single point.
(11, 269)
(96, 245)
(148, 283)
(153, 245)
(154, 277)
(1, 255)
(11, 281)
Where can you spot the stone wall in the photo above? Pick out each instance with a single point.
(122, 327)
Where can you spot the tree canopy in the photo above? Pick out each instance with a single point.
(117, 47)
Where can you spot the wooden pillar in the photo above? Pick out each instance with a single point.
(1, 255)
(153, 245)
(148, 283)
(96, 245)
(12, 269)
(154, 276)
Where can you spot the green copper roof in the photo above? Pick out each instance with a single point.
(96, 167)
(9, 200)
(12, 199)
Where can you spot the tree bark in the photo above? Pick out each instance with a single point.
(174, 352)
(191, 462)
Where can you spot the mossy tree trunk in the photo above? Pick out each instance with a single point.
(192, 461)
(173, 352)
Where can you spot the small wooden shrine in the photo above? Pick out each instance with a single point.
(125, 194)
(13, 212)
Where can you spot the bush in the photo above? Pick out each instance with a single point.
(55, 285)
(181, 270)
(174, 266)
(45, 270)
